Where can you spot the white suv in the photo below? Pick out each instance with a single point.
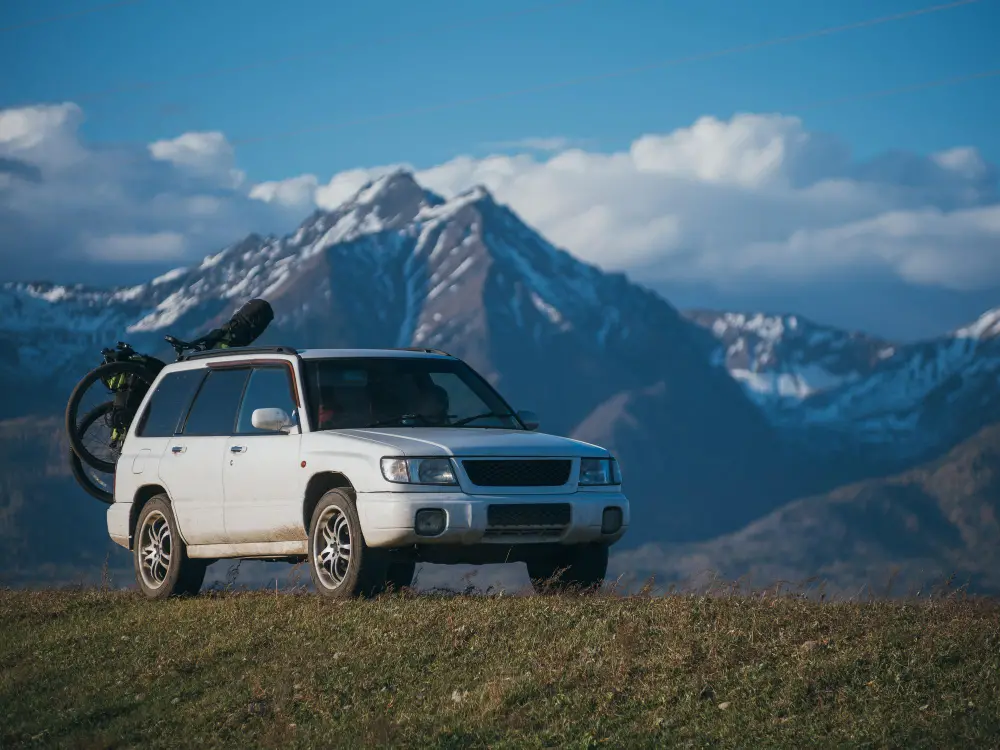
(363, 462)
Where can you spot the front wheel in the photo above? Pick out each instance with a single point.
(340, 563)
(162, 567)
(581, 567)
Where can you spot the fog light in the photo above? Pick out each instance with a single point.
(430, 521)
(611, 521)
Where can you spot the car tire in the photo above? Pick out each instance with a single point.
(159, 555)
(333, 531)
(193, 577)
(582, 568)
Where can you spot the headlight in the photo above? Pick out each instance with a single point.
(418, 470)
(599, 471)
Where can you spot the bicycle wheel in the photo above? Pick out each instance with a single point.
(124, 400)
(95, 430)
(97, 484)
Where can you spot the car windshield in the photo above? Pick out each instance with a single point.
(401, 392)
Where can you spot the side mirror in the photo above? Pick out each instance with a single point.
(529, 418)
(273, 420)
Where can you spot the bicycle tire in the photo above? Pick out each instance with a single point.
(76, 465)
(145, 372)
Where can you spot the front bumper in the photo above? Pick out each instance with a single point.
(387, 519)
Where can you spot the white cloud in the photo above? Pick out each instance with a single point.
(137, 247)
(959, 250)
(208, 154)
(45, 135)
(297, 192)
(757, 197)
(67, 207)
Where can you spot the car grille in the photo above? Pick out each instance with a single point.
(518, 473)
(536, 521)
(528, 514)
(513, 535)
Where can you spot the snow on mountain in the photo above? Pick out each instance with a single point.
(407, 246)
(904, 400)
(787, 358)
(397, 265)
(44, 326)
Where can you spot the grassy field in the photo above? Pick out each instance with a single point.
(107, 669)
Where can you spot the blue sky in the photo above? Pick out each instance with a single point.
(362, 59)
(696, 179)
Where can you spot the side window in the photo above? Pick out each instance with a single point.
(166, 406)
(269, 388)
(214, 409)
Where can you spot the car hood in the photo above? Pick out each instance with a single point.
(465, 441)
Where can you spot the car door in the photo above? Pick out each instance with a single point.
(152, 431)
(191, 466)
(262, 475)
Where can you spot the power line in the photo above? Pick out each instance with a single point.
(65, 16)
(542, 88)
(213, 72)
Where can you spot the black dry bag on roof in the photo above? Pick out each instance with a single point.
(248, 323)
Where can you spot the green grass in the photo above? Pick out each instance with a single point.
(108, 669)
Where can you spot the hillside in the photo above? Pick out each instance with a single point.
(50, 530)
(916, 528)
(93, 669)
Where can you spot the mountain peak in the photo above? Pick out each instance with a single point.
(396, 187)
(475, 194)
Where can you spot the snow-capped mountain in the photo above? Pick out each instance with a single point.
(397, 266)
(718, 419)
(782, 358)
(898, 401)
(416, 255)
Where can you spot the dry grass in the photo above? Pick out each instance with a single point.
(96, 668)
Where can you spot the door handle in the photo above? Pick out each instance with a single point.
(237, 448)
(178, 449)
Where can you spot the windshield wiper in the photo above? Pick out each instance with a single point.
(400, 418)
(484, 415)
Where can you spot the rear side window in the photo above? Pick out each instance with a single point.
(214, 409)
(168, 403)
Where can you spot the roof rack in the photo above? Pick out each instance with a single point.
(423, 349)
(208, 353)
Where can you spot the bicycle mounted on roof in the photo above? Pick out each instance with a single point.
(127, 375)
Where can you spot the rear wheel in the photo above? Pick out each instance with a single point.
(340, 563)
(162, 567)
(124, 400)
(580, 567)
